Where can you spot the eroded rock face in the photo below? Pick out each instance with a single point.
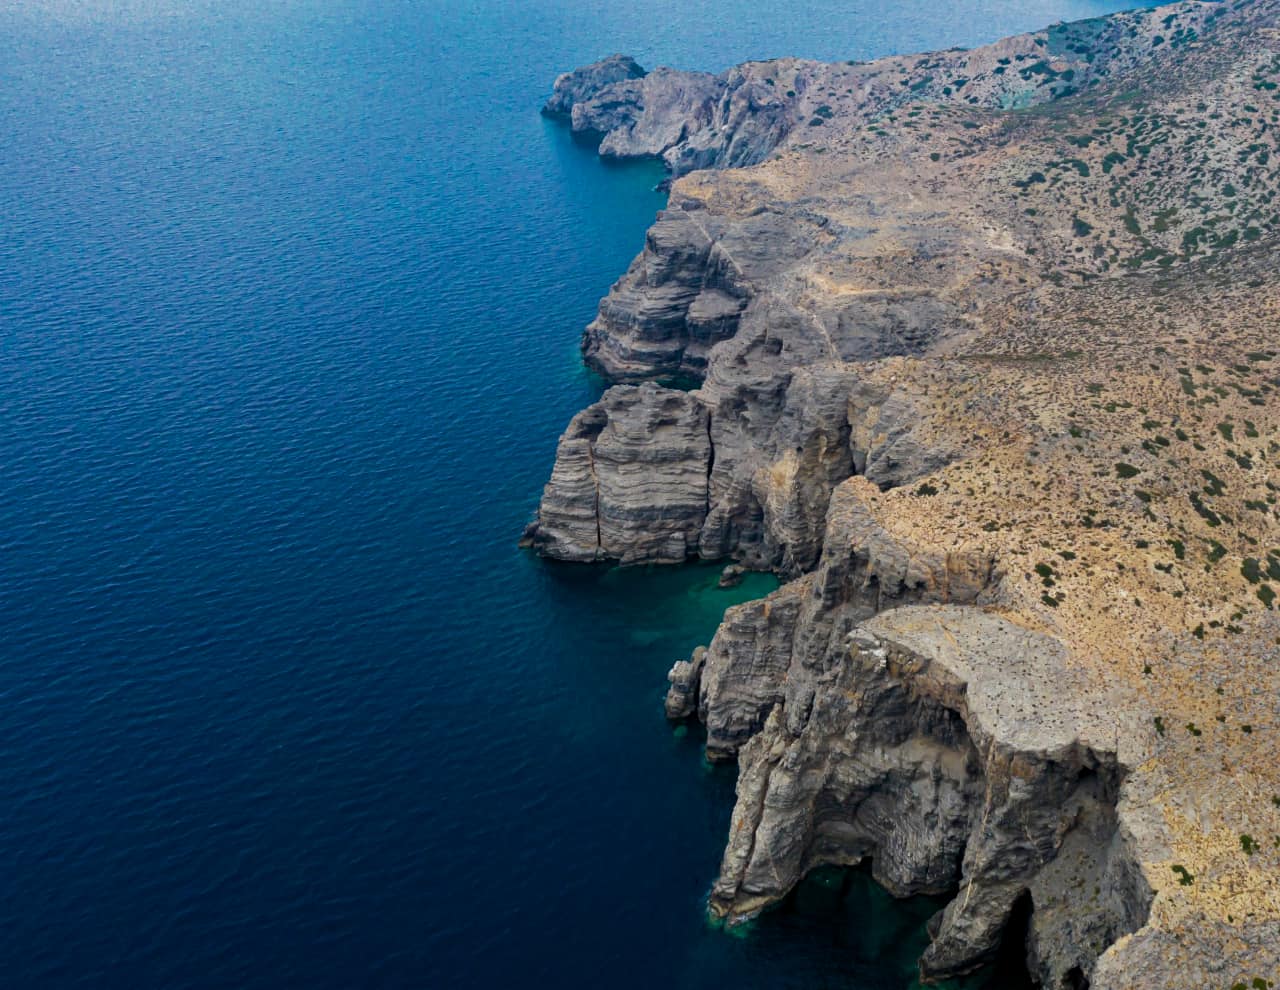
(777, 649)
(585, 83)
(745, 667)
(630, 480)
(675, 302)
(756, 483)
(938, 745)
(642, 117)
(684, 677)
(873, 717)
(687, 291)
(689, 119)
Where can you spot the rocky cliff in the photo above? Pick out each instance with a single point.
(954, 750)
(977, 349)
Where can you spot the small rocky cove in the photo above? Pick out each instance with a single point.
(912, 698)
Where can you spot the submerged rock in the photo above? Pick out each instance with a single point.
(731, 576)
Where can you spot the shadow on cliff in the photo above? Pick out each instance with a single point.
(881, 935)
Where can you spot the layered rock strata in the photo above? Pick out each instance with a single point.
(977, 349)
(951, 748)
(630, 480)
(779, 646)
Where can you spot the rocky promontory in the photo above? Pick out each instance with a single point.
(977, 350)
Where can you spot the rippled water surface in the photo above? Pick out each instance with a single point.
(289, 301)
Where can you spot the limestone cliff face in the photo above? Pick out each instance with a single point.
(711, 299)
(936, 743)
(979, 354)
(688, 290)
(680, 297)
(656, 475)
(630, 480)
(776, 649)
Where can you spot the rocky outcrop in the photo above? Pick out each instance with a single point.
(886, 443)
(690, 119)
(731, 576)
(630, 480)
(954, 751)
(878, 715)
(696, 120)
(643, 117)
(685, 677)
(755, 483)
(581, 85)
(686, 292)
(768, 651)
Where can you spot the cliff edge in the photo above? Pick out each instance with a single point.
(977, 349)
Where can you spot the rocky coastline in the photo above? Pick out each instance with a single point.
(984, 366)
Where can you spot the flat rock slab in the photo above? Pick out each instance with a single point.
(1019, 686)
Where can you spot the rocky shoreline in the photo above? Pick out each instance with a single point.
(984, 353)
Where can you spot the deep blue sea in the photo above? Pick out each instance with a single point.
(290, 295)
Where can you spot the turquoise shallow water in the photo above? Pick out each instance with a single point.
(289, 304)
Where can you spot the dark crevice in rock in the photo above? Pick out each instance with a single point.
(1010, 968)
(1075, 980)
(595, 481)
(711, 463)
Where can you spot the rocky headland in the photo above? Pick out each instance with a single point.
(978, 351)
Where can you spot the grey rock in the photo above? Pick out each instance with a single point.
(629, 482)
(776, 650)
(685, 676)
(731, 576)
(750, 119)
(778, 441)
(886, 448)
(640, 118)
(953, 749)
(789, 419)
(677, 300)
(690, 119)
(745, 667)
(585, 83)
